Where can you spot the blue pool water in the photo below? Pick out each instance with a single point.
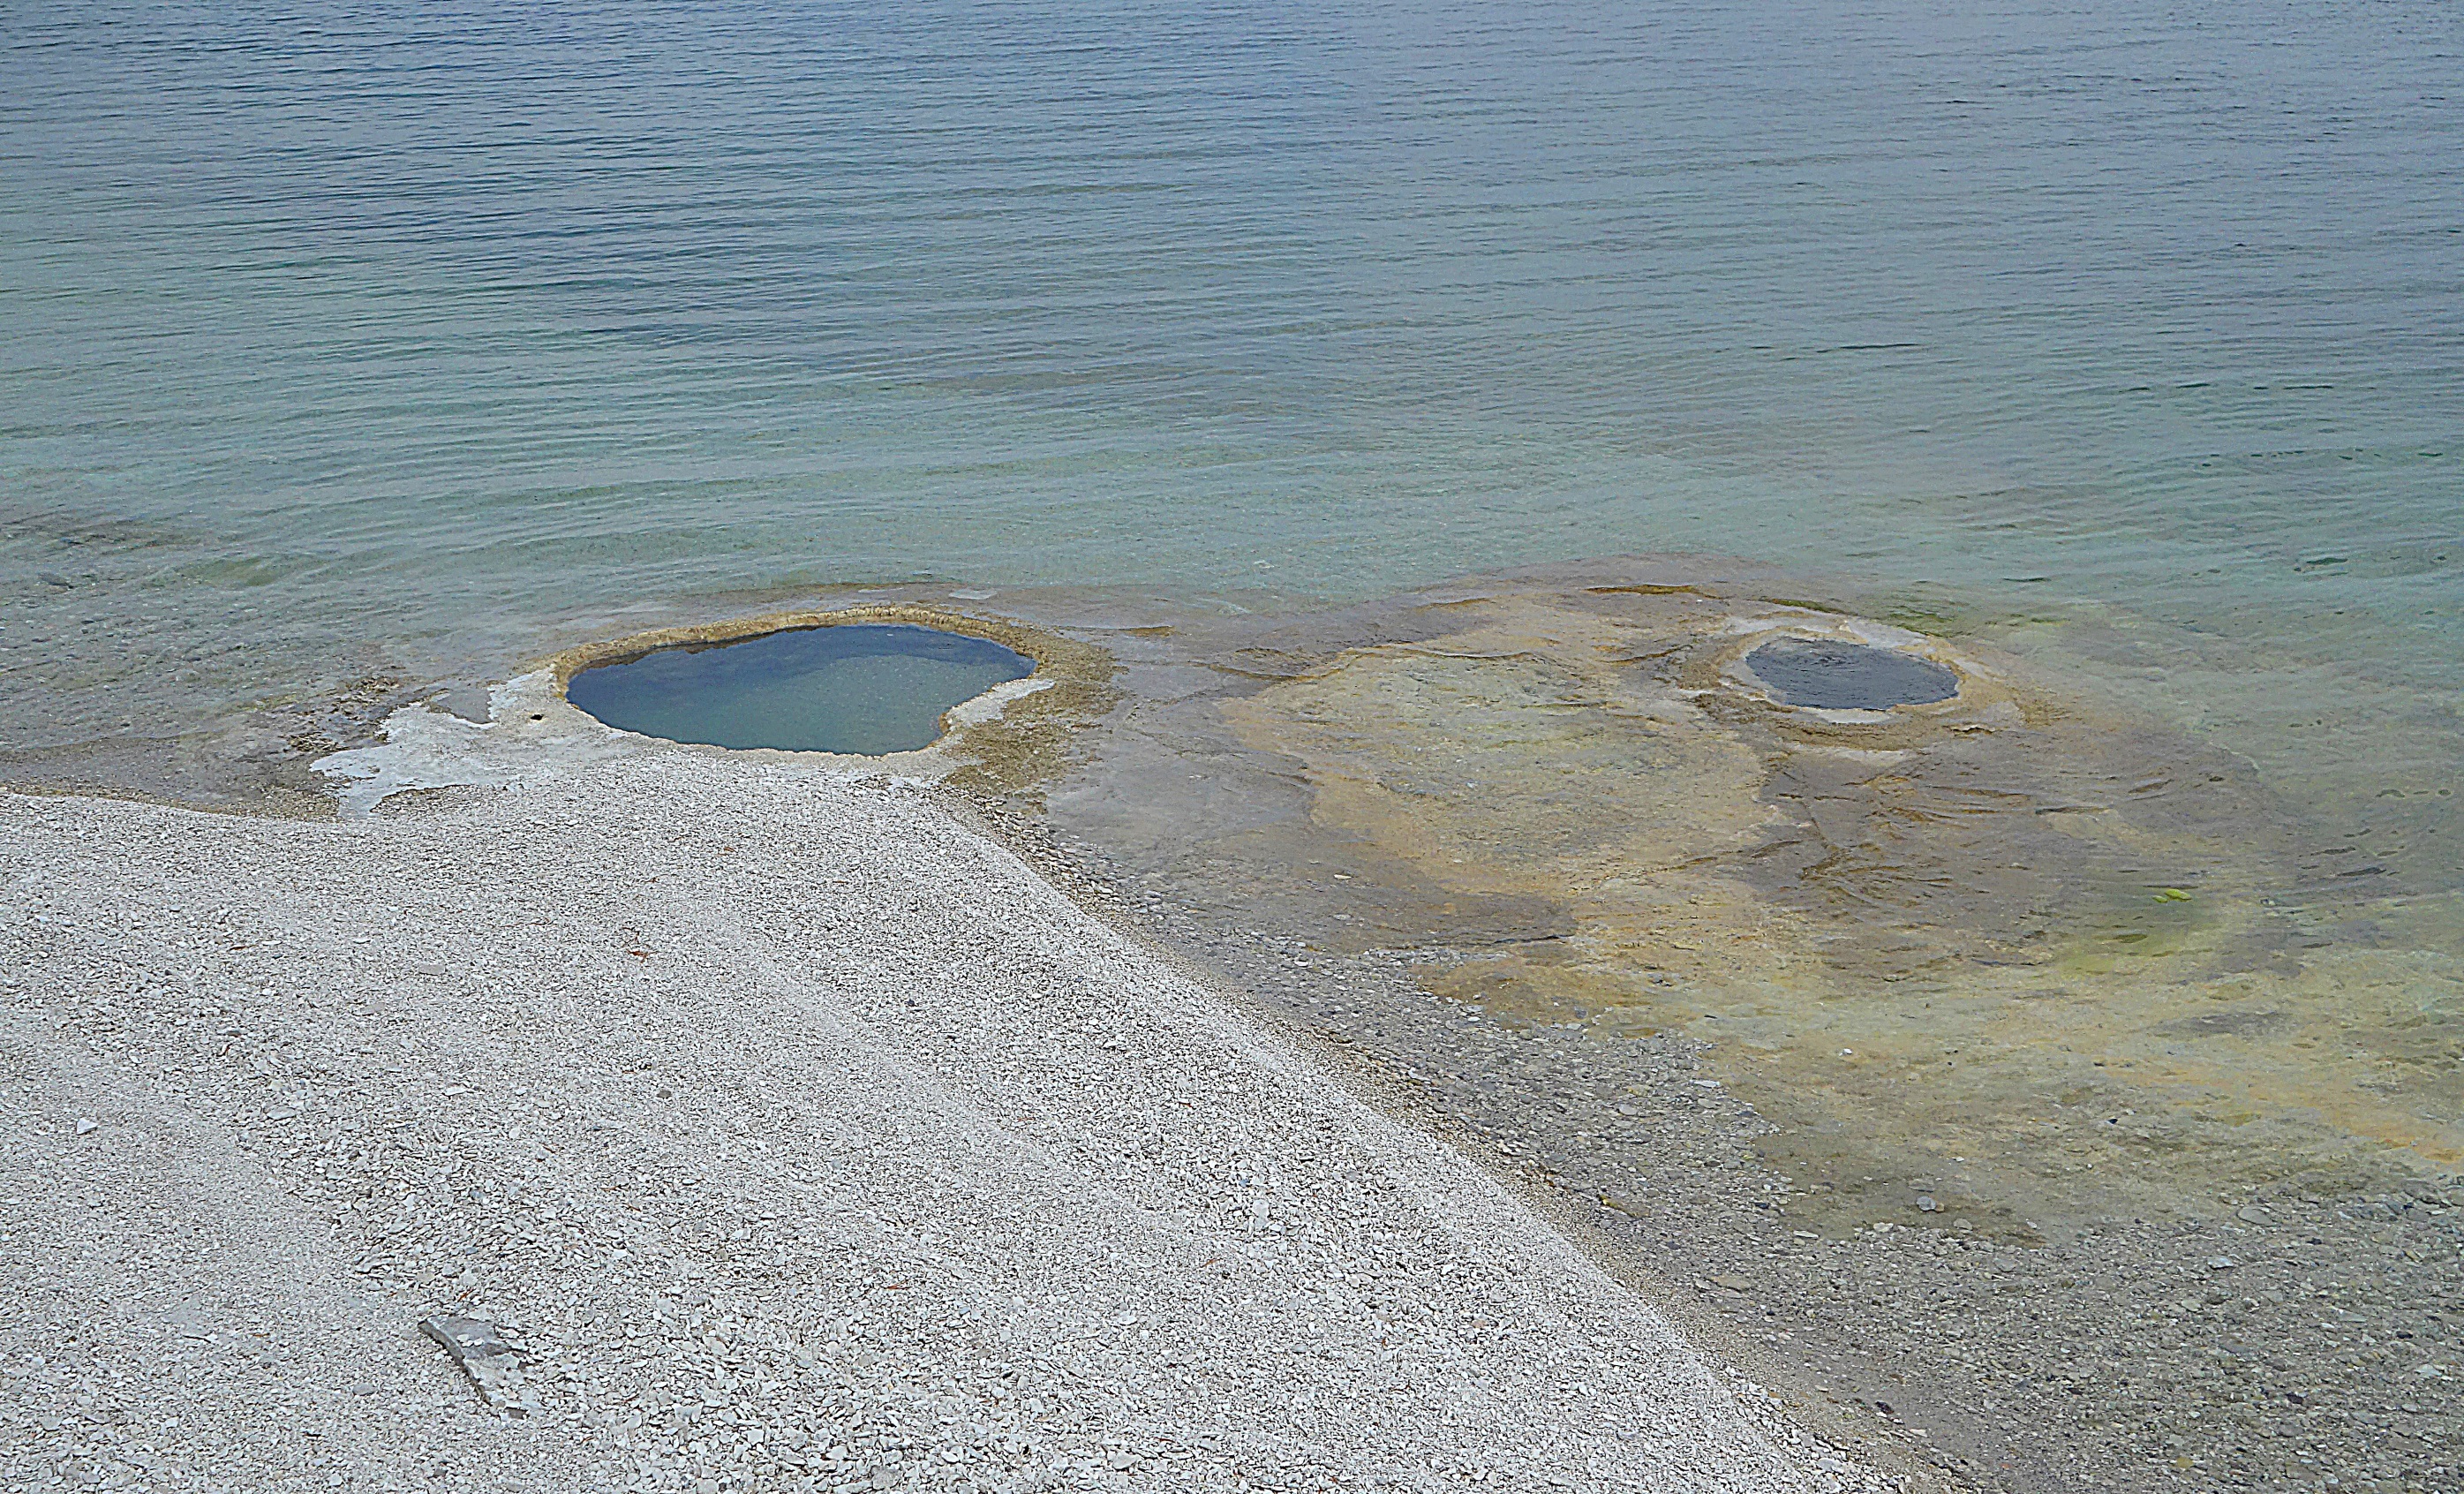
(865, 687)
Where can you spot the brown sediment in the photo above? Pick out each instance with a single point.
(1007, 754)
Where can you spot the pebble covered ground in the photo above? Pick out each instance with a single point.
(2304, 1337)
(790, 1133)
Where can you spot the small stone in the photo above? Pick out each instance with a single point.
(1735, 1284)
(2430, 1371)
(2221, 1262)
(1925, 1204)
(86, 1126)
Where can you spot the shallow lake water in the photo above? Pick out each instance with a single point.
(863, 688)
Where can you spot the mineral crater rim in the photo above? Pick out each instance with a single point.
(1836, 675)
(861, 688)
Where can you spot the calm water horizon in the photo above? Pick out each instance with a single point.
(379, 342)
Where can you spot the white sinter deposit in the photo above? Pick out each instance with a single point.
(789, 1133)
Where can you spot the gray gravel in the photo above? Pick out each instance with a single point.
(789, 1135)
(2312, 1337)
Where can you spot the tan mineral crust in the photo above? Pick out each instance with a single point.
(746, 1122)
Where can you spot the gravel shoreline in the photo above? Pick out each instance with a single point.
(790, 1133)
(2309, 1338)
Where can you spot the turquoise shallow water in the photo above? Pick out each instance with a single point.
(339, 341)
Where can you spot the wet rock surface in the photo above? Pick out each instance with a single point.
(2019, 950)
(2003, 1079)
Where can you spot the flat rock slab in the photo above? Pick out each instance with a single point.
(495, 1370)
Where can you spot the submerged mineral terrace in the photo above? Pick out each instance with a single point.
(2005, 1066)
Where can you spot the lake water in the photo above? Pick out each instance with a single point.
(353, 351)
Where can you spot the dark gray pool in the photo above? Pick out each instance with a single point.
(1844, 676)
(857, 688)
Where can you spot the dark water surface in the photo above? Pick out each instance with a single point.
(851, 688)
(1848, 676)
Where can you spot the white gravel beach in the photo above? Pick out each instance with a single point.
(791, 1133)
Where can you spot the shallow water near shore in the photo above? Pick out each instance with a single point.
(2073, 314)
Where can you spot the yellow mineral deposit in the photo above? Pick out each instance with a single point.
(2005, 937)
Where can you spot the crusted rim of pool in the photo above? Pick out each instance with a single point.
(1974, 689)
(1006, 742)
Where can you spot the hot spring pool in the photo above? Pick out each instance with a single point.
(867, 687)
(1830, 676)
